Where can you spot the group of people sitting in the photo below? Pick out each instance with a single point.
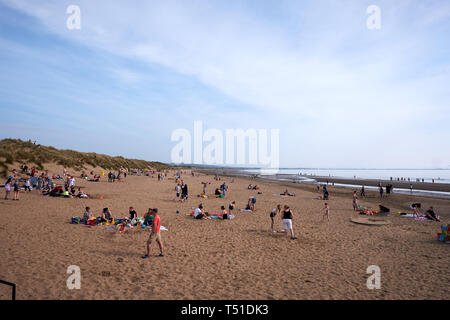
(200, 212)
(430, 214)
(107, 217)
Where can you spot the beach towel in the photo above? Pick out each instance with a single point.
(245, 210)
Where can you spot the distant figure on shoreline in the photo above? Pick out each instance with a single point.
(363, 192)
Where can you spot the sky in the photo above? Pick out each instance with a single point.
(341, 95)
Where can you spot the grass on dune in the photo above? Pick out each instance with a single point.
(16, 150)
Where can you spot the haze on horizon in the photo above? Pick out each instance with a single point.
(341, 95)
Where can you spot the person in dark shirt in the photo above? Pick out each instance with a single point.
(133, 214)
(431, 215)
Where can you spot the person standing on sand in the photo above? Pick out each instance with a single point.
(355, 201)
(7, 188)
(287, 221)
(155, 234)
(326, 211)
(381, 191)
(273, 214)
(16, 189)
(177, 190)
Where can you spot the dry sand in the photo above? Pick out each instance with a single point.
(210, 259)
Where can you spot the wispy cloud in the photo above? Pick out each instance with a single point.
(306, 67)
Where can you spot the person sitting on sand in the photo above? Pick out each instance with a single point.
(273, 214)
(218, 193)
(87, 215)
(148, 217)
(416, 211)
(431, 215)
(250, 187)
(231, 207)
(199, 213)
(133, 216)
(287, 221)
(106, 215)
(224, 213)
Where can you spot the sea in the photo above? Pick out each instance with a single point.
(308, 175)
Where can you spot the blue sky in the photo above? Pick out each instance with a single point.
(340, 94)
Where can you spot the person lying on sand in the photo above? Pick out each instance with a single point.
(81, 194)
(286, 193)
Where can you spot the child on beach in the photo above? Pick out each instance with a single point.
(273, 214)
(16, 190)
(326, 212)
(177, 190)
(7, 188)
(87, 215)
(355, 201)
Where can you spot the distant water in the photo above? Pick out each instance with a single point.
(439, 175)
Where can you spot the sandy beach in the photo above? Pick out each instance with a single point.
(212, 259)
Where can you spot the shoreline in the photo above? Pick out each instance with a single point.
(422, 189)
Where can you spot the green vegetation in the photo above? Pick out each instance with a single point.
(16, 150)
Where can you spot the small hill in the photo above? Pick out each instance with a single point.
(18, 151)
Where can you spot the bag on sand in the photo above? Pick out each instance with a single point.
(75, 220)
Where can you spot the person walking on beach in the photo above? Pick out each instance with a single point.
(363, 192)
(355, 201)
(273, 214)
(410, 187)
(326, 212)
(184, 192)
(155, 234)
(287, 221)
(325, 193)
(381, 191)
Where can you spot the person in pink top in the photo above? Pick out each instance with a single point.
(155, 234)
